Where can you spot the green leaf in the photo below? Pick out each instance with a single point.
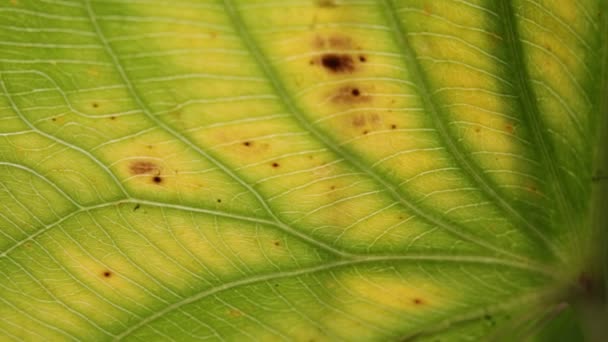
(303, 170)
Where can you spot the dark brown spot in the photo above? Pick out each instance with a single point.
(418, 301)
(219, 200)
(362, 59)
(137, 206)
(143, 167)
(95, 104)
(393, 126)
(277, 243)
(107, 274)
(333, 187)
(157, 179)
(509, 128)
(326, 3)
(338, 63)
(54, 119)
(477, 129)
(350, 95)
(275, 164)
(247, 143)
(365, 132)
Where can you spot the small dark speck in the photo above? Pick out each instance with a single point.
(137, 206)
(95, 104)
(275, 165)
(417, 301)
(488, 317)
(365, 132)
(277, 243)
(157, 179)
(54, 119)
(112, 117)
(393, 126)
(247, 143)
(355, 92)
(362, 59)
(107, 274)
(219, 200)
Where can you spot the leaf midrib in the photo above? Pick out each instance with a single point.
(325, 267)
(467, 166)
(531, 114)
(147, 112)
(287, 100)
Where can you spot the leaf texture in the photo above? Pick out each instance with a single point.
(296, 170)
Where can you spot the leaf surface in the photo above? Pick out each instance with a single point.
(297, 170)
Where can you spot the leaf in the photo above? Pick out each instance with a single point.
(300, 170)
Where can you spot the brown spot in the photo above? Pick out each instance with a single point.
(359, 120)
(335, 42)
(393, 126)
(477, 129)
(275, 165)
(157, 179)
(427, 9)
(365, 132)
(247, 143)
(585, 281)
(219, 200)
(143, 167)
(418, 301)
(362, 59)
(509, 128)
(112, 117)
(54, 119)
(350, 95)
(326, 3)
(338, 63)
(137, 206)
(95, 104)
(107, 274)
(333, 187)
(277, 243)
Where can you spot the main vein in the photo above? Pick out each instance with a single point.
(286, 98)
(473, 171)
(148, 113)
